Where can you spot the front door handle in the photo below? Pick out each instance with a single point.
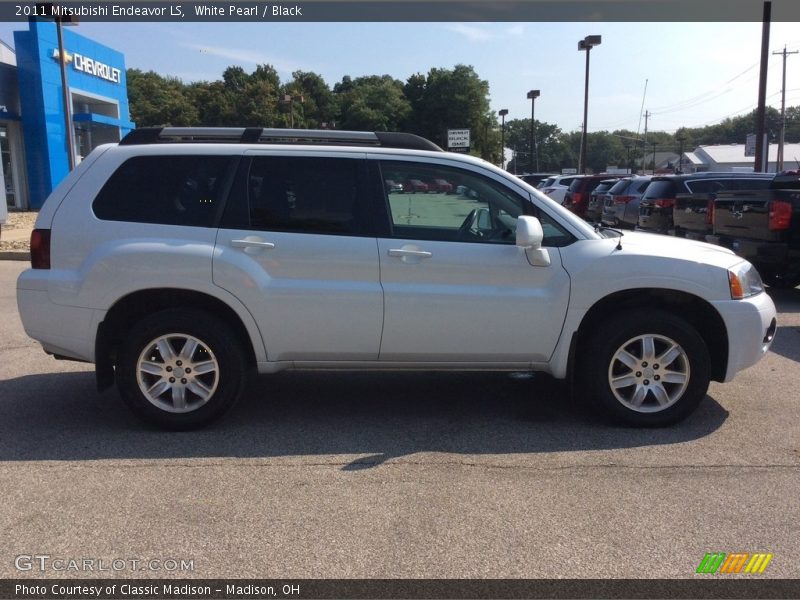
(400, 252)
(409, 254)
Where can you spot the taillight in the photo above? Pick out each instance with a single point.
(622, 199)
(780, 214)
(40, 249)
(665, 202)
(710, 212)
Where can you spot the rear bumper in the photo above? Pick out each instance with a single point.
(748, 323)
(41, 318)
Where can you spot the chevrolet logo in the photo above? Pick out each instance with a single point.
(67, 56)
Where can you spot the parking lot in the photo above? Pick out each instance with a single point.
(397, 475)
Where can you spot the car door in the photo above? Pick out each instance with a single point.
(456, 287)
(295, 246)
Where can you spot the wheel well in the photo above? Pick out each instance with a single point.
(699, 313)
(130, 309)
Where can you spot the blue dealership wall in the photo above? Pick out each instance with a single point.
(42, 100)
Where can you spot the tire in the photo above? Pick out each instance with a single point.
(640, 338)
(158, 369)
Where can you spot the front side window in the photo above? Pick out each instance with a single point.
(435, 202)
(165, 190)
(304, 195)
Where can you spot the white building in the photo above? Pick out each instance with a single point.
(730, 157)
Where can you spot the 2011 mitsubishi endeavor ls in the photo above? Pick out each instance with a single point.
(180, 260)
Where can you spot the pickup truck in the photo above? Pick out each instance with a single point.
(763, 226)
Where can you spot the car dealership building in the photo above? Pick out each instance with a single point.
(33, 108)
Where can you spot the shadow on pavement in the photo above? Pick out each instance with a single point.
(380, 415)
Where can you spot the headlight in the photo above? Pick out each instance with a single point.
(744, 281)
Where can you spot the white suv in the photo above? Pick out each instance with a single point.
(181, 260)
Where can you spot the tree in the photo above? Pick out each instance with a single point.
(159, 101)
(453, 99)
(373, 103)
(319, 103)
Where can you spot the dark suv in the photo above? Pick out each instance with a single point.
(577, 196)
(658, 202)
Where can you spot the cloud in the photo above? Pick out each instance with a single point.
(252, 57)
(472, 33)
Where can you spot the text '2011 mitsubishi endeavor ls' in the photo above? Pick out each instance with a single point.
(182, 259)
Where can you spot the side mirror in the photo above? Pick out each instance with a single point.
(529, 232)
(529, 238)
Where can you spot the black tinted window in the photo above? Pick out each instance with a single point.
(619, 186)
(575, 185)
(660, 189)
(166, 190)
(304, 194)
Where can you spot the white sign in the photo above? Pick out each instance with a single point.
(87, 65)
(569, 171)
(458, 138)
(750, 145)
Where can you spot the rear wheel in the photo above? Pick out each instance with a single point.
(181, 369)
(646, 368)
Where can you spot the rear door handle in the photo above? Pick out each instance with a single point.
(252, 242)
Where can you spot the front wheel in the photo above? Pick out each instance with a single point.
(180, 369)
(646, 368)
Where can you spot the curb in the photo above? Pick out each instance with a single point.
(15, 255)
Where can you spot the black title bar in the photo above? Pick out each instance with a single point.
(406, 10)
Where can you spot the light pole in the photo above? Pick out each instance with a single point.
(288, 99)
(532, 96)
(503, 112)
(587, 43)
(681, 138)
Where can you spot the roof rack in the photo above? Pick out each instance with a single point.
(258, 135)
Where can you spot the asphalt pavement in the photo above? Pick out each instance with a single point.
(409, 475)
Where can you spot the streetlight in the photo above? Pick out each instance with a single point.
(681, 138)
(587, 43)
(46, 8)
(503, 112)
(532, 96)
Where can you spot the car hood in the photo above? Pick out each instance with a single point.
(657, 245)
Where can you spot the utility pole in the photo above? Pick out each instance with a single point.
(644, 142)
(759, 164)
(779, 163)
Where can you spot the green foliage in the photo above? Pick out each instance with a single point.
(425, 104)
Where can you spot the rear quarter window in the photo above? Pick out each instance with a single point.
(165, 190)
(660, 189)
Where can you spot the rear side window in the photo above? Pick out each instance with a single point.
(575, 185)
(620, 186)
(165, 190)
(660, 189)
(305, 195)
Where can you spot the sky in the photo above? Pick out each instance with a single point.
(684, 74)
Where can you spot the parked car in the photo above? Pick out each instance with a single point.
(441, 186)
(393, 187)
(415, 185)
(693, 214)
(621, 206)
(597, 198)
(534, 179)
(577, 197)
(657, 206)
(180, 260)
(763, 226)
(557, 188)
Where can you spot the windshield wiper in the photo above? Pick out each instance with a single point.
(598, 228)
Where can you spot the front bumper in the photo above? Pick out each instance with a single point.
(751, 324)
